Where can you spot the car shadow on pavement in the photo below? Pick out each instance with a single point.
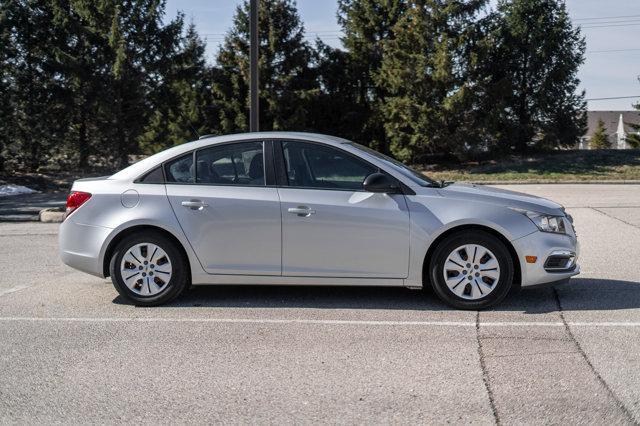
(581, 294)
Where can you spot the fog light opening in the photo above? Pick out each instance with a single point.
(560, 262)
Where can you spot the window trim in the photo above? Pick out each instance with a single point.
(267, 158)
(269, 166)
(274, 166)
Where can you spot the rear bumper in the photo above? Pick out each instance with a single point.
(80, 246)
(543, 245)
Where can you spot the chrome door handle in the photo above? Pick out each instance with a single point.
(194, 204)
(301, 211)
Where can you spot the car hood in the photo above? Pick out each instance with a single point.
(501, 197)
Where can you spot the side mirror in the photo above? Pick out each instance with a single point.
(378, 182)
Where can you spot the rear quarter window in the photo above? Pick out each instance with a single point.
(154, 176)
(180, 170)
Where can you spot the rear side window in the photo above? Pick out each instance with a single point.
(314, 166)
(180, 170)
(232, 164)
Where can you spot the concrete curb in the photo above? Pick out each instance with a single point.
(52, 215)
(19, 218)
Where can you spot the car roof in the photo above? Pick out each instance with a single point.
(137, 169)
(274, 135)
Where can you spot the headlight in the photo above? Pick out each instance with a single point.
(545, 222)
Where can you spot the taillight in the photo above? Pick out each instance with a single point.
(75, 200)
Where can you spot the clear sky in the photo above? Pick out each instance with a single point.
(607, 24)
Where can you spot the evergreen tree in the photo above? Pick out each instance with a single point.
(181, 107)
(633, 139)
(367, 25)
(6, 116)
(531, 83)
(287, 82)
(600, 139)
(31, 111)
(141, 53)
(84, 77)
(335, 109)
(425, 72)
(80, 59)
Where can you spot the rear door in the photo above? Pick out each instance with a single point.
(331, 227)
(229, 214)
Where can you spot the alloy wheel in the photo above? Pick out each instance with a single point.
(471, 271)
(146, 269)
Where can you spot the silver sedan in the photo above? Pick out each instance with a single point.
(308, 209)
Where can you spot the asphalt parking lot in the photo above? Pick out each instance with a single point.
(72, 352)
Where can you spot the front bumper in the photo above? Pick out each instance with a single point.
(543, 246)
(549, 284)
(80, 246)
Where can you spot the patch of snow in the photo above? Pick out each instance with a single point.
(7, 190)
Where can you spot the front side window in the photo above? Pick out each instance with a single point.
(231, 164)
(405, 170)
(315, 166)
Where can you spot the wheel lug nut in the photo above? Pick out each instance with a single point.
(470, 277)
(140, 267)
(151, 266)
(144, 275)
(477, 274)
(464, 272)
(468, 265)
(145, 262)
(475, 266)
(151, 274)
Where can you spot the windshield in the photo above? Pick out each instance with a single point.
(406, 171)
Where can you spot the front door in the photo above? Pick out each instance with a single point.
(331, 227)
(230, 217)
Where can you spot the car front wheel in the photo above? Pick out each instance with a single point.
(471, 270)
(148, 270)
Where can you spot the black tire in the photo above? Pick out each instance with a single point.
(495, 245)
(178, 282)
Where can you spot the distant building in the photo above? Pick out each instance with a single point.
(616, 124)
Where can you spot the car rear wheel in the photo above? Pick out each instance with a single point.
(471, 270)
(148, 270)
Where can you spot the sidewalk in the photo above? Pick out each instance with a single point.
(18, 208)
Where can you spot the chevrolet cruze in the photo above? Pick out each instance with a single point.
(308, 209)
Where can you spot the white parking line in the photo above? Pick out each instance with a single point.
(322, 322)
(241, 321)
(14, 289)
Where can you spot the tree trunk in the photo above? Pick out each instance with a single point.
(122, 155)
(83, 148)
(523, 123)
(34, 156)
(523, 116)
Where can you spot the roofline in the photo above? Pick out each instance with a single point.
(137, 169)
(272, 135)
